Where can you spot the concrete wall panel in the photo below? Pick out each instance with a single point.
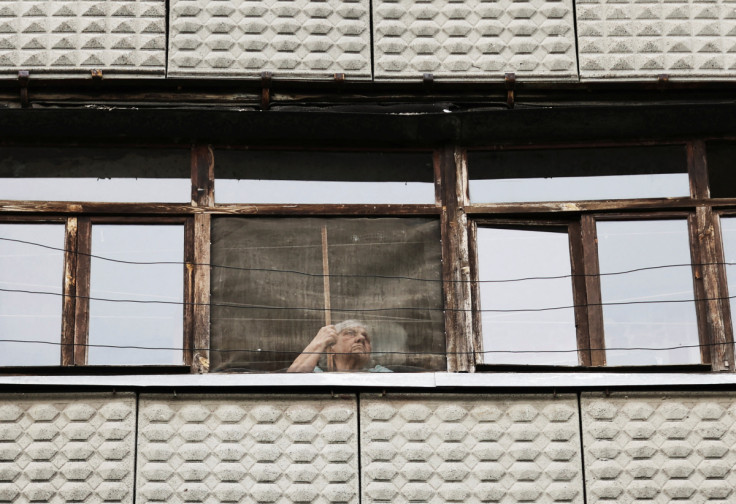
(628, 39)
(75, 448)
(470, 448)
(659, 447)
(71, 38)
(230, 448)
(474, 39)
(290, 38)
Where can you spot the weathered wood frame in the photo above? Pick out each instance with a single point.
(715, 330)
(459, 220)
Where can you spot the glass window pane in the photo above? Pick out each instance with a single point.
(306, 177)
(270, 297)
(624, 246)
(577, 174)
(728, 231)
(31, 316)
(155, 323)
(518, 255)
(126, 175)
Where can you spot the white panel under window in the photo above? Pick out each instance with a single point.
(648, 315)
(137, 291)
(527, 313)
(31, 279)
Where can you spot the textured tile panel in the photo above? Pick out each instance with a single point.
(645, 38)
(231, 448)
(470, 448)
(67, 448)
(474, 39)
(660, 447)
(290, 38)
(62, 37)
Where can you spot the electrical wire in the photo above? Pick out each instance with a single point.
(349, 275)
(387, 352)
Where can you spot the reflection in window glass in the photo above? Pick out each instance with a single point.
(129, 175)
(158, 324)
(324, 177)
(577, 174)
(623, 246)
(272, 298)
(505, 254)
(29, 316)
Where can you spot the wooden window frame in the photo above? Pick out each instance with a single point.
(715, 331)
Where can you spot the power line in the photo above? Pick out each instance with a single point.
(367, 310)
(387, 352)
(349, 275)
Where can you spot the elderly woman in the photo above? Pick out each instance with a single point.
(347, 346)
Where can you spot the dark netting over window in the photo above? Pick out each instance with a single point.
(270, 296)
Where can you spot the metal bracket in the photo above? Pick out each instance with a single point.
(96, 74)
(265, 90)
(23, 78)
(339, 78)
(663, 80)
(428, 79)
(510, 80)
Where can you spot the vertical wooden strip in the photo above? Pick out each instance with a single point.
(593, 291)
(721, 348)
(70, 292)
(188, 355)
(720, 258)
(201, 293)
(203, 183)
(437, 178)
(701, 306)
(455, 262)
(81, 308)
(697, 170)
(326, 277)
(579, 292)
(203, 176)
(475, 292)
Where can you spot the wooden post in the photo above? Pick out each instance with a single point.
(326, 277)
(81, 307)
(455, 261)
(202, 196)
(70, 293)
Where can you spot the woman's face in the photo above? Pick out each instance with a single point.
(354, 340)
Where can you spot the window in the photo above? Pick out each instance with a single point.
(600, 256)
(84, 283)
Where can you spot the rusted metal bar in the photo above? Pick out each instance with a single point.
(266, 90)
(510, 81)
(23, 78)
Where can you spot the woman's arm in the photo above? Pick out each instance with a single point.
(308, 359)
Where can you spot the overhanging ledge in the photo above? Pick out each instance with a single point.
(439, 381)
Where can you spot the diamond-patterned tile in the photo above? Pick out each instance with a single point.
(474, 40)
(470, 448)
(659, 447)
(230, 448)
(74, 37)
(290, 38)
(57, 449)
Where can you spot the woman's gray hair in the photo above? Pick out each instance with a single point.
(345, 324)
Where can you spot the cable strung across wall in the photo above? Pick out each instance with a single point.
(387, 352)
(369, 310)
(355, 275)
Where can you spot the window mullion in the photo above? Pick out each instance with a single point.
(579, 290)
(203, 182)
(593, 290)
(81, 308)
(70, 292)
(716, 339)
(455, 261)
